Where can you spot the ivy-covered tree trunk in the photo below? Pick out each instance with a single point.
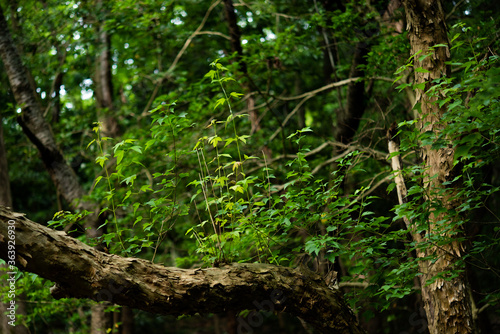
(81, 271)
(446, 300)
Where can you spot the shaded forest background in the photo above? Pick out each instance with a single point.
(210, 132)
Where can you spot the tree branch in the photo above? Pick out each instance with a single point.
(83, 272)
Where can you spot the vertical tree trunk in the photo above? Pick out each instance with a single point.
(100, 321)
(235, 35)
(40, 134)
(127, 320)
(103, 78)
(349, 117)
(34, 125)
(446, 301)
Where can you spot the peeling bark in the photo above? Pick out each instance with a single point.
(446, 302)
(83, 272)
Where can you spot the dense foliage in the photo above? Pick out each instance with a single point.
(222, 156)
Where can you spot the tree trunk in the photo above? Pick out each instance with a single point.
(34, 125)
(83, 272)
(348, 118)
(40, 134)
(235, 40)
(104, 79)
(446, 301)
(127, 320)
(100, 321)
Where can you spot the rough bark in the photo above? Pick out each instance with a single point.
(39, 131)
(32, 121)
(446, 302)
(104, 79)
(101, 321)
(83, 272)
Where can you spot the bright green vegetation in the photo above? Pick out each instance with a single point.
(186, 181)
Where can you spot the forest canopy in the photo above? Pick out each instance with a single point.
(235, 167)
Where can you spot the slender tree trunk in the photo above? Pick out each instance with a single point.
(34, 125)
(127, 320)
(446, 301)
(101, 321)
(104, 79)
(235, 35)
(40, 134)
(348, 118)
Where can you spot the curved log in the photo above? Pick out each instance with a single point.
(80, 271)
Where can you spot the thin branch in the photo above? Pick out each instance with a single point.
(332, 160)
(458, 4)
(294, 111)
(190, 39)
(216, 33)
(397, 167)
(371, 189)
(181, 53)
(319, 90)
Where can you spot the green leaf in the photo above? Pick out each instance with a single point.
(137, 220)
(420, 86)
(243, 138)
(102, 159)
(146, 188)
(137, 149)
(93, 141)
(236, 95)
(99, 178)
(214, 140)
(130, 180)
(219, 102)
(237, 188)
(421, 70)
(119, 156)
